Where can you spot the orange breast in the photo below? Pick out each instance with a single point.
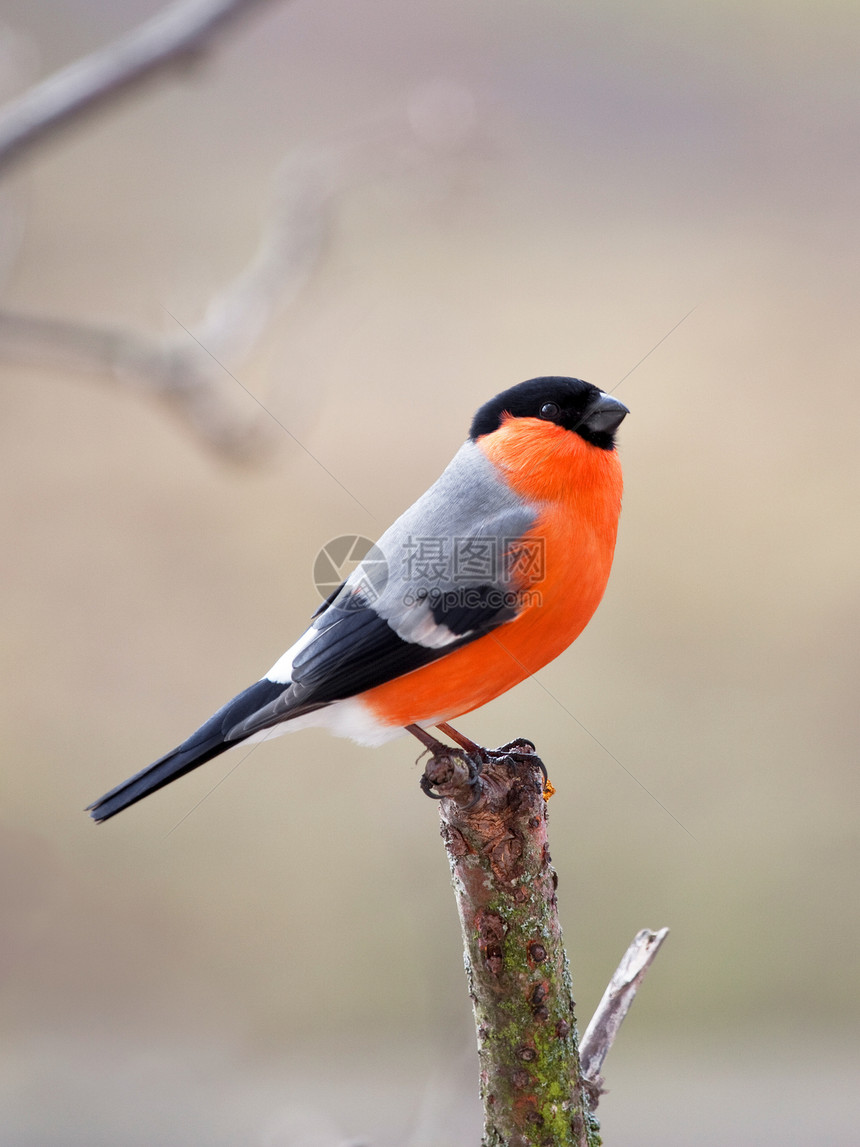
(578, 487)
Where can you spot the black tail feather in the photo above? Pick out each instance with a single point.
(182, 760)
(204, 744)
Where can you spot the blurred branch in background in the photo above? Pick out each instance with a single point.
(538, 1086)
(186, 369)
(176, 37)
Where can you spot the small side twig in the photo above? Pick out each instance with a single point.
(614, 1006)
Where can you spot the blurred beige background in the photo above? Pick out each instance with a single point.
(290, 951)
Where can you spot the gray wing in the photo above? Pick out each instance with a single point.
(440, 577)
(447, 563)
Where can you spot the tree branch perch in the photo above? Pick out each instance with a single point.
(538, 1086)
(519, 980)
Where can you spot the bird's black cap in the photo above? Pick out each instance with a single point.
(569, 402)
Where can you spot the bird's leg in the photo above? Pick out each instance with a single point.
(460, 739)
(476, 756)
(518, 743)
(427, 739)
(427, 788)
(472, 756)
(520, 749)
(435, 748)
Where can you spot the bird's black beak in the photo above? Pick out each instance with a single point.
(606, 415)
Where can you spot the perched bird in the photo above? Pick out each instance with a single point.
(491, 574)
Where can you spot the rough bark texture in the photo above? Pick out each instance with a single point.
(518, 975)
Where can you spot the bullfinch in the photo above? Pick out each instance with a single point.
(491, 574)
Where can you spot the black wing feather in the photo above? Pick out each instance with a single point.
(475, 608)
(355, 650)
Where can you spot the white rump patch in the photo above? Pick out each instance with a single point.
(349, 718)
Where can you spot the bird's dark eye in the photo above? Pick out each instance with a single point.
(549, 410)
